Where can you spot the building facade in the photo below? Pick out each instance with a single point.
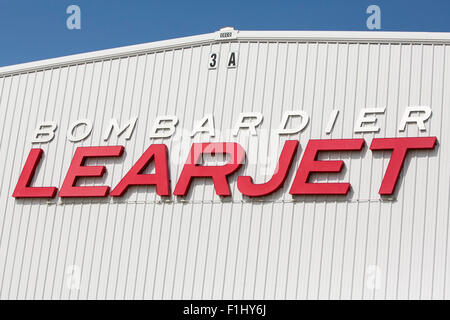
(373, 226)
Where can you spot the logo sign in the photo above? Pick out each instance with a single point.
(193, 168)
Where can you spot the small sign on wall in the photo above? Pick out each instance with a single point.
(231, 61)
(213, 61)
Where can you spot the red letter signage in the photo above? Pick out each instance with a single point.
(195, 167)
(135, 177)
(77, 170)
(399, 147)
(309, 164)
(218, 174)
(247, 187)
(23, 189)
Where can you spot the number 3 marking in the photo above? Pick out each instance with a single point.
(212, 61)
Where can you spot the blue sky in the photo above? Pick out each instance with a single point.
(36, 29)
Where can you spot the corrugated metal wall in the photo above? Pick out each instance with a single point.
(207, 247)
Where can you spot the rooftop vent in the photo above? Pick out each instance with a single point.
(226, 33)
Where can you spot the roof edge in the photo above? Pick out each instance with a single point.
(107, 54)
(314, 36)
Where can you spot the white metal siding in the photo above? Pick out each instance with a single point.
(208, 247)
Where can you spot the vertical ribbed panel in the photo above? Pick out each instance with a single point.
(142, 246)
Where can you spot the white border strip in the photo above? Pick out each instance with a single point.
(316, 36)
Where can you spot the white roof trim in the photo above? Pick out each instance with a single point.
(315, 36)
